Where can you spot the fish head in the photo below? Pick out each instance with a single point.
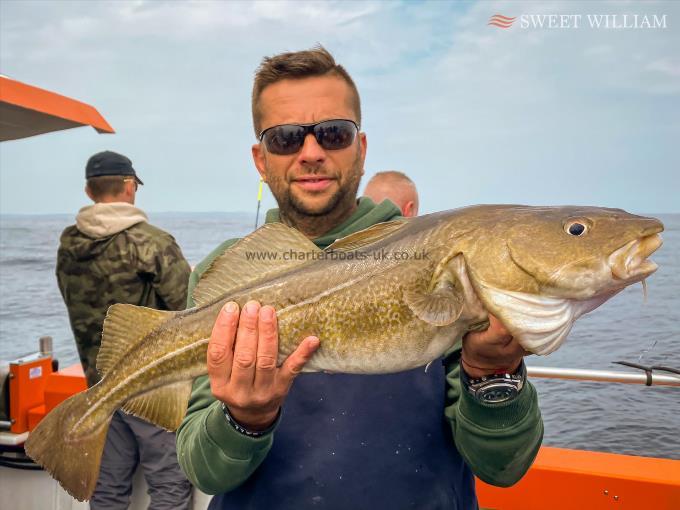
(541, 268)
(581, 252)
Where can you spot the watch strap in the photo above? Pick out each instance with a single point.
(247, 432)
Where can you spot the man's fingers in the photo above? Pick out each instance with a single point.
(220, 346)
(296, 361)
(267, 349)
(245, 349)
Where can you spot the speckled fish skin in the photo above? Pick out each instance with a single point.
(357, 307)
(390, 298)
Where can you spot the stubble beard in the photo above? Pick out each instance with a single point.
(299, 208)
(294, 209)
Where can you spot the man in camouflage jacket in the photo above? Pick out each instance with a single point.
(113, 255)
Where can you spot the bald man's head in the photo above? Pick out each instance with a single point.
(394, 186)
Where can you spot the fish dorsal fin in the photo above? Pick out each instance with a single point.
(441, 302)
(164, 406)
(367, 236)
(124, 327)
(272, 249)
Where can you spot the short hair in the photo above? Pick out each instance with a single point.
(106, 185)
(296, 66)
(392, 175)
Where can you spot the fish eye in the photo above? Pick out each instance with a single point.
(576, 228)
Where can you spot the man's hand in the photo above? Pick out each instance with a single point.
(491, 351)
(242, 356)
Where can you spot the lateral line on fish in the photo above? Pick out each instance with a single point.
(323, 294)
(135, 374)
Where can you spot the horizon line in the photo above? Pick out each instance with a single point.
(5, 213)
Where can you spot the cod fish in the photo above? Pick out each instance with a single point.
(392, 297)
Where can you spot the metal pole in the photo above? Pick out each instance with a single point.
(578, 374)
(45, 345)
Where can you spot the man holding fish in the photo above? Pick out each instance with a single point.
(418, 379)
(400, 440)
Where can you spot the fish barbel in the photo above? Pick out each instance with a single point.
(392, 297)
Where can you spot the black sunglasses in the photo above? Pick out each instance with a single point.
(287, 139)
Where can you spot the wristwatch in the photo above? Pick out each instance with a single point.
(495, 388)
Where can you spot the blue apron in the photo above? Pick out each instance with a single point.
(360, 442)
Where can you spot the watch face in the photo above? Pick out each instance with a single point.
(495, 393)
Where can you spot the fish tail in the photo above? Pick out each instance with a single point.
(72, 459)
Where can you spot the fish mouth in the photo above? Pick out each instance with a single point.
(630, 263)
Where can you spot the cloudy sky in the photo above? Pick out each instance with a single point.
(474, 113)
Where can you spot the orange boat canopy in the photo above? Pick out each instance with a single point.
(27, 111)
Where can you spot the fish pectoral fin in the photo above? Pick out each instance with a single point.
(164, 406)
(440, 306)
(272, 249)
(124, 327)
(367, 236)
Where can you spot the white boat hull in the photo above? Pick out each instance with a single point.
(36, 490)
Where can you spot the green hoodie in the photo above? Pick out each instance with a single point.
(498, 442)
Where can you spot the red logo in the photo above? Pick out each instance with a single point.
(500, 21)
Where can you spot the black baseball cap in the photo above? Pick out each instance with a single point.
(109, 163)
